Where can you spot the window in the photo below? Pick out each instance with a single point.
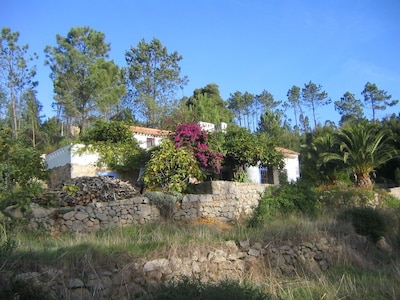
(151, 142)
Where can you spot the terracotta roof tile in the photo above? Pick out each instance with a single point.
(287, 152)
(149, 131)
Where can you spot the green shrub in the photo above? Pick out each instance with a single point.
(366, 221)
(189, 289)
(289, 198)
(165, 202)
(171, 169)
(7, 244)
(339, 196)
(24, 290)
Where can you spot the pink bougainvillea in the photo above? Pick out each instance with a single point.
(191, 135)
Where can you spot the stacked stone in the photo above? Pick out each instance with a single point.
(228, 261)
(95, 216)
(228, 202)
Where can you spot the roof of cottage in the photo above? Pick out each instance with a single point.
(149, 131)
(159, 132)
(287, 152)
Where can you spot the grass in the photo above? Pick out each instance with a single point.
(117, 247)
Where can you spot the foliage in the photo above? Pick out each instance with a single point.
(298, 197)
(24, 289)
(206, 105)
(194, 288)
(294, 102)
(376, 98)
(20, 169)
(241, 177)
(171, 168)
(16, 78)
(71, 189)
(272, 125)
(242, 147)
(109, 132)
(363, 147)
(191, 136)
(84, 82)
(313, 97)
(350, 108)
(240, 103)
(314, 168)
(7, 243)
(52, 137)
(367, 221)
(155, 78)
(266, 101)
(116, 145)
(165, 202)
(335, 197)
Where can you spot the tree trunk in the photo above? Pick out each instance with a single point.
(363, 180)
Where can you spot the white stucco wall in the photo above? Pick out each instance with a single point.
(292, 168)
(142, 139)
(69, 155)
(253, 174)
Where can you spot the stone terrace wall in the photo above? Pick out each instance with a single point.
(223, 200)
(230, 261)
(227, 201)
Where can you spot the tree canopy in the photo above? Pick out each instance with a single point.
(84, 82)
(377, 99)
(154, 75)
(16, 79)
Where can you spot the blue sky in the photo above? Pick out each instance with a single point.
(251, 45)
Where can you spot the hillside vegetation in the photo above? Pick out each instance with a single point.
(368, 269)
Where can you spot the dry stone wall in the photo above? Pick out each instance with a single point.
(222, 200)
(232, 260)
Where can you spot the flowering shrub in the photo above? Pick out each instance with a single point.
(190, 135)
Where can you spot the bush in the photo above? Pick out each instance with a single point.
(171, 169)
(366, 221)
(338, 196)
(164, 202)
(7, 244)
(24, 290)
(189, 289)
(296, 197)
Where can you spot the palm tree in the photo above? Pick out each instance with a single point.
(363, 147)
(330, 169)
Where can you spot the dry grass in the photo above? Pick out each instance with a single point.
(372, 277)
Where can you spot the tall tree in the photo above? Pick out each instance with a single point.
(294, 101)
(108, 85)
(207, 105)
(241, 103)
(83, 81)
(271, 124)
(264, 102)
(155, 78)
(16, 76)
(31, 118)
(349, 108)
(313, 97)
(237, 105)
(376, 98)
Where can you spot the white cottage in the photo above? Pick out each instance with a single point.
(256, 174)
(70, 162)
